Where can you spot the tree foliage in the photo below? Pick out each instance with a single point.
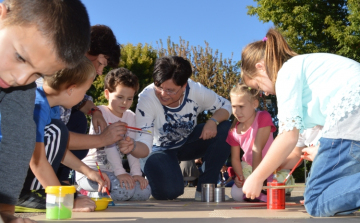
(209, 68)
(138, 59)
(331, 26)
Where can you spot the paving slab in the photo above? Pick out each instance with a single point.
(186, 209)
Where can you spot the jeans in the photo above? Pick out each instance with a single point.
(334, 183)
(117, 192)
(163, 171)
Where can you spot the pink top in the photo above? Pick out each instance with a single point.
(246, 140)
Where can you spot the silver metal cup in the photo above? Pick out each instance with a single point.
(219, 194)
(207, 192)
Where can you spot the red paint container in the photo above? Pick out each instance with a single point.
(275, 197)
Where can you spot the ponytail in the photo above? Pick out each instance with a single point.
(273, 49)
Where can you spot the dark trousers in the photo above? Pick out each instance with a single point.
(77, 123)
(163, 170)
(55, 141)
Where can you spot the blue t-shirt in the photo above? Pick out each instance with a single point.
(43, 113)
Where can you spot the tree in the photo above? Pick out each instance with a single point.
(138, 59)
(331, 26)
(209, 68)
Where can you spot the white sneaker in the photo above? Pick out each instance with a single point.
(227, 198)
(198, 196)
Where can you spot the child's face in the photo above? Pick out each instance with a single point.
(261, 81)
(120, 100)
(243, 108)
(25, 55)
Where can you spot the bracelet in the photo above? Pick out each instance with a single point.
(93, 109)
(134, 146)
(217, 123)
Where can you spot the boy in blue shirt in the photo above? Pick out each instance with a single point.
(37, 38)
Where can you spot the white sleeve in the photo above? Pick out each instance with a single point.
(208, 99)
(130, 120)
(115, 159)
(134, 164)
(145, 117)
(301, 140)
(112, 154)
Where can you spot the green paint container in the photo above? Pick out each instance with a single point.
(59, 202)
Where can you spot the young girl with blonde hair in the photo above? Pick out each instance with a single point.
(251, 131)
(312, 89)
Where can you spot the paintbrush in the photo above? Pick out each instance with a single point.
(107, 190)
(138, 129)
(282, 186)
(293, 169)
(134, 128)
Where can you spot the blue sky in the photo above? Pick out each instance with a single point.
(224, 24)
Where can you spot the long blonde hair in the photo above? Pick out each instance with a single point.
(273, 49)
(242, 90)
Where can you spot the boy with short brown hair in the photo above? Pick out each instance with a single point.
(37, 38)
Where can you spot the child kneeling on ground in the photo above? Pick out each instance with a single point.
(120, 88)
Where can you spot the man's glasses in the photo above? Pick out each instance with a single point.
(168, 92)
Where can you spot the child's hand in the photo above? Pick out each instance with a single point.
(126, 145)
(209, 130)
(95, 176)
(143, 182)
(113, 133)
(84, 204)
(239, 182)
(311, 152)
(127, 180)
(98, 121)
(252, 187)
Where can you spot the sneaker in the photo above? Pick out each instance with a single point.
(33, 201)
(197, 196)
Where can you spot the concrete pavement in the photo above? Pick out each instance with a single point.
(186, 209)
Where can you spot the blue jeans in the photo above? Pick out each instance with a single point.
(334, 183)
(163, 170)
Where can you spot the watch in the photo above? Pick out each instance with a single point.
(92, 110)
(217, 123)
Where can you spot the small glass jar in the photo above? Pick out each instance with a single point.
(59, 202)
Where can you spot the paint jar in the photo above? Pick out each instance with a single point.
(59, 202)
(207, 192)
(219, 194)
(275, 197)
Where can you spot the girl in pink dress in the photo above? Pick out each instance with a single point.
(251, 131)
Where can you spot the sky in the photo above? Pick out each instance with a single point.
(224, 24)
